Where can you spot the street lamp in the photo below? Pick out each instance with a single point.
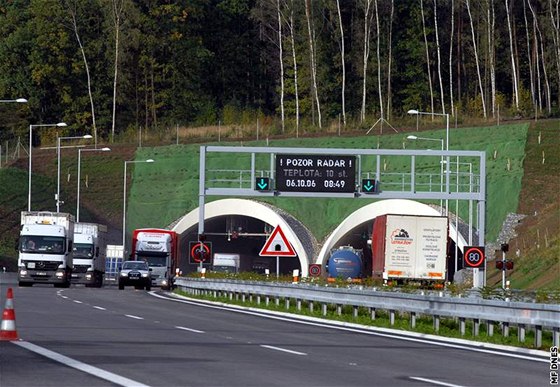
(412, 137)
(414, 111)
(60, 124)
(124, 196)
(19, 100)
(79, 168)
(58, 139)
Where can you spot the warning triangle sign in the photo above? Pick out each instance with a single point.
(277, 245)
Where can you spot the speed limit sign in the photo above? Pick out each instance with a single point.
(314, 270)
(474, 256)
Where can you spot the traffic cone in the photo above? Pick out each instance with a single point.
(8, 328)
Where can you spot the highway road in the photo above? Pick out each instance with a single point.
(132, 337)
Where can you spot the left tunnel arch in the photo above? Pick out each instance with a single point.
(302, 239)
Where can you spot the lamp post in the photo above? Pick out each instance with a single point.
(414, 111)
(124, 196)
(60, 124)
(58, 139)
(411, 137)
(79, 169)
(18, 100)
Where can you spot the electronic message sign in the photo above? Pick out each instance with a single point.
(315, 173)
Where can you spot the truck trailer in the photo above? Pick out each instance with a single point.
(158, 247)
(89, 254)
(226, 263)
(410, 248)
(45, 248)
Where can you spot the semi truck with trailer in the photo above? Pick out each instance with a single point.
(45, 248)
(89, 254)
(158, 247)
(410, 248)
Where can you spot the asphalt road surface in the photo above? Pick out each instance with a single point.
(131, 337)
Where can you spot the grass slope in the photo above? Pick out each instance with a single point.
(167, 189)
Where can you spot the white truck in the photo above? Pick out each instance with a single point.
(45, 248)
(226, 263)
(159, 247)
(89, 254)
(410, 248)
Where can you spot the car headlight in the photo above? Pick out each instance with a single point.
(88, 276)
(59, 274)
(164, 282)
(23, 272)
(145, 275)
(123, 274)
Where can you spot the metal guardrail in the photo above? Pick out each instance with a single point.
(520, 314)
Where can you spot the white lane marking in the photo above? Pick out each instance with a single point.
(284, 350)
(135, 317)
(99, 307)
(109, 376)
(189, 329)
(436, 382)
(374, 331)
(78, 302)
(63, 296)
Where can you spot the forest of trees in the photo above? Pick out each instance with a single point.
(107, 66)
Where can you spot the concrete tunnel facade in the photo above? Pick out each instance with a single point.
(302, 240)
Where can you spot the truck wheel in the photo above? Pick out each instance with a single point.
(148, 287)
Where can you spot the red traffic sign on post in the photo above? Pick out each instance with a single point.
(277, 245)
(314, 270)
(474, 256)
(199, 252)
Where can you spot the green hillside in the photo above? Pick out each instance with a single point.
(167, 189)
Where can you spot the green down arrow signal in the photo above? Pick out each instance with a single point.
(262, 183)
(368, 185)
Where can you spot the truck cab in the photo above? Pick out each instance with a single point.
(157, 247)
(45, 249)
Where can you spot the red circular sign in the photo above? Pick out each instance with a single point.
(314, 270)
(200, 252)
(474, 256)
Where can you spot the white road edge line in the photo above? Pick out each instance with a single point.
(89, 369)
(189, 329)
(99, 307)
(432, 381)
(134, 317)
(374, 331)
(284, 350)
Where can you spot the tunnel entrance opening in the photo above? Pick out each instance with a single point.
(239, 235)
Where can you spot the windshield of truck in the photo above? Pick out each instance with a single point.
(41, 244)
(153, 260)
(83, 250)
